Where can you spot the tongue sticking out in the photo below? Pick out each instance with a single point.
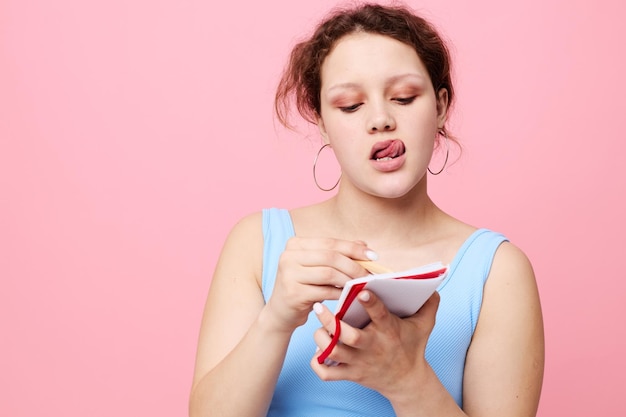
(388, 149)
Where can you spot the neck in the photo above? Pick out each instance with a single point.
(384, 221)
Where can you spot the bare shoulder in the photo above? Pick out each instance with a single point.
(240, 263)
(511, 286)
(235, 296)
(243, 247)
(505, 361)
(248, 226)
(510, 262)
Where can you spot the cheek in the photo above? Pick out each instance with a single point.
(341, 129)
(424, 125)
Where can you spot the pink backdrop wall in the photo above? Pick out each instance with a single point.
(133, 134)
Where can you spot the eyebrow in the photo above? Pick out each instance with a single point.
(388, 82)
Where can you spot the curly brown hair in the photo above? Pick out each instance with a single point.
(301, 79)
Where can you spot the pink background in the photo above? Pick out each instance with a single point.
(133, 134)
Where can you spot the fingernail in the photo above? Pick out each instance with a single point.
(371, 255)
(364, 296)
(317, 307)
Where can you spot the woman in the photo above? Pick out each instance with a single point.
(376, 80)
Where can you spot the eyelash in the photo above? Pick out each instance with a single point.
(401, 100)
(405, 100)
(350, 109)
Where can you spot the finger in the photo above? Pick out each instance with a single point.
(354, 249)
(331, 260)
(326, 318)
(322, 267)
(340, 355)
(328, 371)
(348, 335)
(331, 327)
(333, 338)
(374, 307)
(307, 267)
(311, 294)
(327, 346)
(428, 311)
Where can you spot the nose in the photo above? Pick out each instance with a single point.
(381, 121)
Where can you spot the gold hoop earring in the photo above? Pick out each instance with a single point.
(315, 177)
(442, 133)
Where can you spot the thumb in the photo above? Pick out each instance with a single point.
(429, 310)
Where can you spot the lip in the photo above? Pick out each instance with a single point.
(387, 165)
(380, 145)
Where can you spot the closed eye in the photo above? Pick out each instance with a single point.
(350, 109)
(405, 100)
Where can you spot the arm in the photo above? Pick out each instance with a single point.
(243, 341)
(505, 362)
(504, 365)
(234, 334)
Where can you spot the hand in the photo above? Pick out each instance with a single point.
(312, 270)
(387, 355)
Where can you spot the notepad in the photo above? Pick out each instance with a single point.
(403, 293)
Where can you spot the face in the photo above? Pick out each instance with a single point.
(380, 113)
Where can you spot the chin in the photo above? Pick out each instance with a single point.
(393, 193)
(397, 187)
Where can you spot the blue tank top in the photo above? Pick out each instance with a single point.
(300, 393)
